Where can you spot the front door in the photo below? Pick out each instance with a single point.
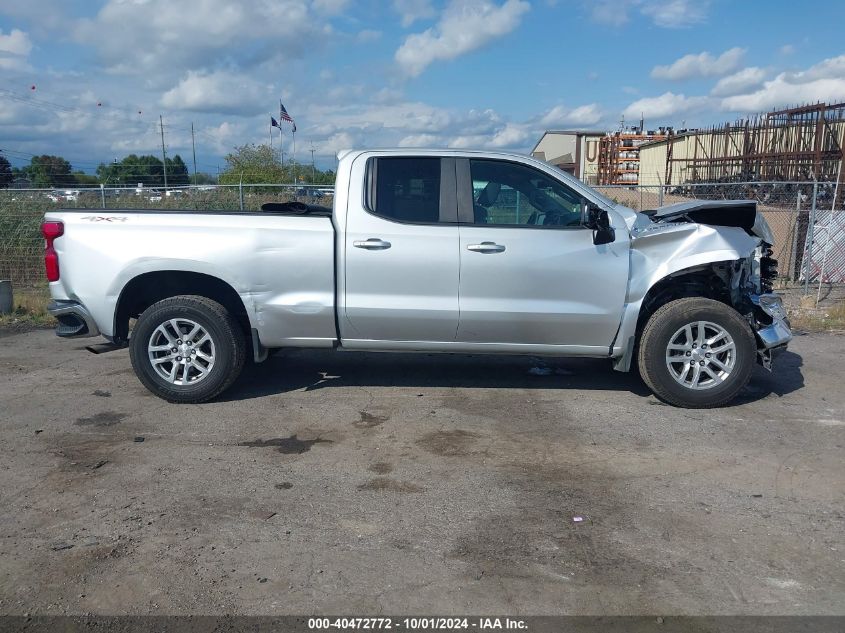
(530, 273)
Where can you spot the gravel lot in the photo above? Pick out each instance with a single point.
(362, 483)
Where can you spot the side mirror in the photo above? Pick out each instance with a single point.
(599, 222)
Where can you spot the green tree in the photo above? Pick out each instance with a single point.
(50, 171)
(5, 172)
(85, 179)
(323, 177)
(133, 170)
(256, 164)
(147, 170)
(177, 172)
(259, 164)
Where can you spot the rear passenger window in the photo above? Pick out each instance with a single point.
(405, 189)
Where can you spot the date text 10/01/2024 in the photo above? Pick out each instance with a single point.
(417, 624)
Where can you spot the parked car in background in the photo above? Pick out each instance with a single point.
(428, 251)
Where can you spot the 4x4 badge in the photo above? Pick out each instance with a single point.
(104, 218)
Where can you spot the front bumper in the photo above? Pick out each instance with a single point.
(74, 319)
(775, 335)
(772, 338)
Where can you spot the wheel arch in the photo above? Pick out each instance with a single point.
(711, 280)
(145, 289)
(708, 281)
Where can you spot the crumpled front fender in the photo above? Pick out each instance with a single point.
(663, 249)
(658, 251)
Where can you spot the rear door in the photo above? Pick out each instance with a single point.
(530, 273)
(401, 250)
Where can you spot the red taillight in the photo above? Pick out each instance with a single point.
(50, 231)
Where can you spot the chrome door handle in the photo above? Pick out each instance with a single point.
(372, 244)
(486, 247)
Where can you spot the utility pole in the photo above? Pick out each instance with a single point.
(163, 153)
(313, 168)
(194, 148)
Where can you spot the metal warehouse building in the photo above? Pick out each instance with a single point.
(795, 144)
(573, 151)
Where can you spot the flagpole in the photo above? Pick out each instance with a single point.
(281, 137)
(271, 135)
(293, 136)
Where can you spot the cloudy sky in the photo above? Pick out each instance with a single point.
(88, 79)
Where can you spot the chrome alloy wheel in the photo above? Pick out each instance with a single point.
(181, 351)
(701, 355)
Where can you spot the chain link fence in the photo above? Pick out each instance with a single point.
(21, 212)
(809, 233)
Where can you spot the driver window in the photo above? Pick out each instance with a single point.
(510, 194)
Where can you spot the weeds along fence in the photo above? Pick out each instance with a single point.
(809, 233)
(22, 210)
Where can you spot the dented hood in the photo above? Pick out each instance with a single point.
(737, 213)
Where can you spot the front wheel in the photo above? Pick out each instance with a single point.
(187, 349)
(696, 353)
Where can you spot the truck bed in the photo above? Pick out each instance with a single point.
(281, 263)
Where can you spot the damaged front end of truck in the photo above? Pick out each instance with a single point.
(715, 249)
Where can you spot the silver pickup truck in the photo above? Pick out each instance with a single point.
(428, 251)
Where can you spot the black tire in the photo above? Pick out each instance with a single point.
(226, 336)
(654, 344)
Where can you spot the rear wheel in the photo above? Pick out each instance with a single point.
(696, 353)
(187, 349)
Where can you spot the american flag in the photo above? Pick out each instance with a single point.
(284, 116)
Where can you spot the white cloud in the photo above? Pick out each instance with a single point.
(669, 14)
(675, 14)
(824, 81)
(413, 10)
(330, 7)
(419, 140)
(15, 43)
(13, 63)
(158, 37)
(610, 12)
(42, 15)
(465, 25)
(368, 35)
(386, 95)
(511, 135)
(589, 114)
(787, 49)
(14, 50)
(221, 92)
(663, 106)
(415, 124)
(741, 82)
(701, 65)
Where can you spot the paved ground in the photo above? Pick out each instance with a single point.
(341, 483)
